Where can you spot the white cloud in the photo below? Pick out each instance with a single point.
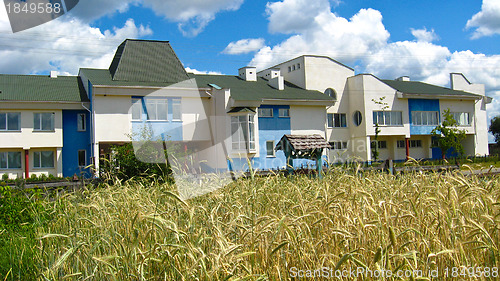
(192, 15)
(63, 45)
(423, 35)
(244, 46)
(487, 21)
(326, 34)
(195, 71)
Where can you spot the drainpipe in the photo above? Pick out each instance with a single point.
(26, 164)
(407, 140)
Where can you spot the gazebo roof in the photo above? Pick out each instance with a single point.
(303, 142)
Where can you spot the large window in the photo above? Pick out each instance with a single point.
(243, 132)
(10, 160)
(336, 120)
(462, 118)
(415, 143)
(401, 143)
(43, 159)
(425, 118)
(388, 118)
(157, 109)
(10, 121)
(265, 112)
(43, 121)
(379, 144)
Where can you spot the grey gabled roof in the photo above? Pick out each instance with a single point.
(259, 90)
(414, 87)
(147, 61)
(41, 88)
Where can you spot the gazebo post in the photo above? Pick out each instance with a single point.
(319, 166)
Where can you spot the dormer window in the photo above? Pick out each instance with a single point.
(331, 93)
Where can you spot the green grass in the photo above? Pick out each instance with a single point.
(258, 229)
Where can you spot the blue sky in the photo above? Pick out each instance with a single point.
(424, 39)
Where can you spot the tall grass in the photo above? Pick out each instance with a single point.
(258, 229)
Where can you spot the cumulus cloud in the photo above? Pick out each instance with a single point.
(244, 46)
(423, 35)
(487, 21)
(63, 45)
(195, 71)
(330, 35)
(192, 15)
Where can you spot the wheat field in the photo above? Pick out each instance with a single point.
(277, 228)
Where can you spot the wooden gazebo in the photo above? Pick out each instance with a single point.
(303, 147)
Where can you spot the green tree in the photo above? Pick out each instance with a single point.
(495, 128)
(448, 135)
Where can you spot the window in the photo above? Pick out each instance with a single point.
(357, 118)
(80, 122)
(425, 118)
(136, 109)
(401, 144)
(415, 143)
(336, 120)
(43, 159)
(284, 112)
(338, 145)
(270, 148)
(380, 144)
(10, 160)
(331, 93)
(10, 121)
(298, 65)
(44, 121)
(176, 110)
(265, 112)
(462, 118)
(388, 118)
(157, 109)
(82, 158)
(243, 132)
(293, 67)
(289, 69)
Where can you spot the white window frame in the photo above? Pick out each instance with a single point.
(334, 118)
(81, 117)
(457, 116)
(270, 153)
(6, 124)
(263, 113)
(415, 143)
(399, 142)
(242, 125)
(7, 155)
(153, 104)
(422, 118)
(40, 165)
(38, 126)
(338, 145)
(388, 118)
(136, 105)
(281, 112)
(176, 109)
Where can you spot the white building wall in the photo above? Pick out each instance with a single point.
(307, 120)
(112, 118)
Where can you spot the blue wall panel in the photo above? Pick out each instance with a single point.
(73, 141)
(272, 129)
(422, 105)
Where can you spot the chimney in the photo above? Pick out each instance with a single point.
(277, 82)
(403, 78)
(248, 73)
(53, 74)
